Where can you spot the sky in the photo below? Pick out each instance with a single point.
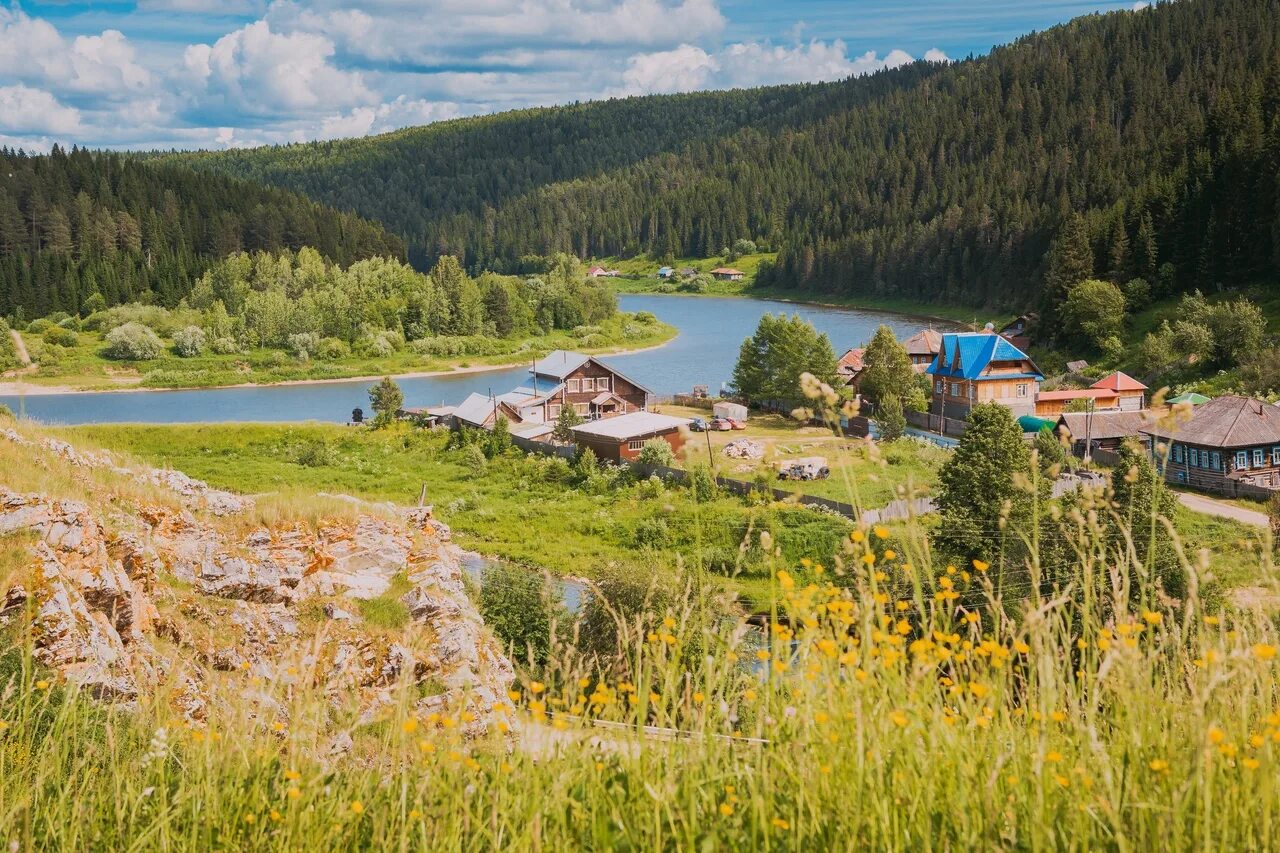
(158, 74)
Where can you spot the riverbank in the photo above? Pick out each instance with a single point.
(227, 372)
(966, 316)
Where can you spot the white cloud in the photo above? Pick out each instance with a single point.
(935, 55)
(27, 110)
(744, 64)
(32, 50)
(262, 73)
(1140, 5)
(402, 112)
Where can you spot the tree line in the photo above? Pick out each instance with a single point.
(1154, 135)
(75, 224)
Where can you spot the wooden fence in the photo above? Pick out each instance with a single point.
(935, 423)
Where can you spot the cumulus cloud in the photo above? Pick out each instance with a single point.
(33, 51)
(744, 64)
(258, 72)
(402, 112)
(27, 110)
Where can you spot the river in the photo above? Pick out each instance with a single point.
(711, 331)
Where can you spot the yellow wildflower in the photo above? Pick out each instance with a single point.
(1158, 765)
(1152, 617)
(410, 725)
(1263, 651)
(357, 807)
(293, 793)
(981, 565)
(726, 809)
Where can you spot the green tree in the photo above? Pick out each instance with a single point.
(977, 488)
(887, 371)
(1070, 259)
(1095, 310)
(1142, 498)
(1050, 452)
(565, 422)
(656, 451)
(772, 360)
(890, 419)
(385, 399)
(499, 438)
(519, 606)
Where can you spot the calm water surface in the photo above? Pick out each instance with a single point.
(711, 331)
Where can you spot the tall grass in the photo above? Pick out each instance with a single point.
(893, 701)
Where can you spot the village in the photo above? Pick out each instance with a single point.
(1228, 446)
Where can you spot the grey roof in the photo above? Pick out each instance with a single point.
(474, 410)
(1102, 425)
(1228, 421)
(559, 363)
(632, 426)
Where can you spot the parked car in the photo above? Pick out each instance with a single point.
(720, 424)
(736, 424)
(698, 425)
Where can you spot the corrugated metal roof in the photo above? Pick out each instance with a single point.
(559, 363)
(966, 355)
(474, 410)
(923, 342)
(632, 426)
(1077, 394)
(1102, 425)
(1228, 421)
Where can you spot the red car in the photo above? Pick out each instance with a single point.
(721, 424)
(734, 423)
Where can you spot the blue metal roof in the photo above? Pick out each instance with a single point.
(966, 355)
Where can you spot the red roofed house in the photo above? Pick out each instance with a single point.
(849, 367)
(728, 274)
(1119, 392)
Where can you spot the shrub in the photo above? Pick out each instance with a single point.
(224, 346)
(59, 337)
(519, 606)
(331, 349)
(189, 342)
(72, 323)
(132, 342)
(313, 453)
(656, 451)
(652, 533)
(304, 345)
(37, 327)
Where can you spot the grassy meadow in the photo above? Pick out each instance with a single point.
(898, 702)
(83, 366)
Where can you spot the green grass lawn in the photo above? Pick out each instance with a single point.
(83, 366)
(524, 509)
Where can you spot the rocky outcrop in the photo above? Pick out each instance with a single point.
(177, 594)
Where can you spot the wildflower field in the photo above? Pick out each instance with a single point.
(893, 699)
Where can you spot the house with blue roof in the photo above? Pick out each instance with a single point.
(982, 367)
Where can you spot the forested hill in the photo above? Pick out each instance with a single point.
(74, 224)
(415, 179)
(941, 183)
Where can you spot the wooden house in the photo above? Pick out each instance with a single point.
(922, 348)
(1092, 431)
(1132, 394)
(728, 274)
(593, 388)
(849, 367)
(1119, 391)
(1018, 330)
(1227, 441)
(622, 438)
(982, 367)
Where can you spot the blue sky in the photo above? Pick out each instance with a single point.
(219, 73)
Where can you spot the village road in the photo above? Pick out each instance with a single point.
(1208, 506)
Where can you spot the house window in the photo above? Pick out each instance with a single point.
(1242, 459)
(1259, 458)
(553, 412)
(1215, 461)
(973, 391)
(602, 384)
(1195, 457)
(1022, 389)
(635, 445)
(955, 389)
(1177, 453)
(588, 384)
(1275, 456)
(571, 386)
(580, 408)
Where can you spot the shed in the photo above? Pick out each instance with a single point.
(736, 411)
(621, 438)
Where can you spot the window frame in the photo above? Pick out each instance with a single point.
(1275, 455)
(1179, 453)
(1021, 391)
(1193, 457)
(1259, 457)
(1242, 460)
(603, 383)
(635, 444)
(1215, 460)
(571, 386)
(588, 384)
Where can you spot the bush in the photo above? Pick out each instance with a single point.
(519, 606)
(224, 346)
(132, 342)
(189, 342)
(72, 323)
(304, 345)
(332, 349)
(314, 453)
(60, 337)
(37, 327)
(656, 451)
(652, 533)
(621, 595)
